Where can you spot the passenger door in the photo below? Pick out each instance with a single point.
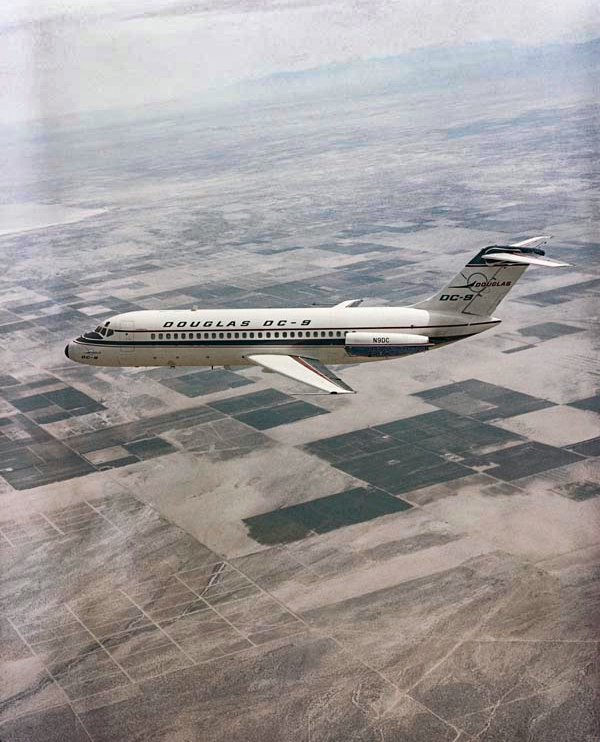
(126, 347)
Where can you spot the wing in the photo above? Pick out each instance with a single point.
(348, 303)
(307, 370)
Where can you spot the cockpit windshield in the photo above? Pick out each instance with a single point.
(100, 331)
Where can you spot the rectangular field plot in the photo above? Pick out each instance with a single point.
(205, 382)
(322, 515)
(267, 409)
(404, 468)
(280, 415)
(245, 402)
(562, 294)
(548, 330)
(351, 445)
(445, 432)
(591, 403)
(523, 460)
(481, 400)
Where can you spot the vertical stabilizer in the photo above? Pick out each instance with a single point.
(487, 278)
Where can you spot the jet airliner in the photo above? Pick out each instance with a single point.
(297, 343)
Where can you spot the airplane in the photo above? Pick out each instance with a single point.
(298, 342)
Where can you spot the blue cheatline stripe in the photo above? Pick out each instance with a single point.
(213, 343)
(336, 342)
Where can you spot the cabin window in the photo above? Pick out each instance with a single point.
(284, 334)
(330, 334)
(339, 334)
(175, 336)
(160, 336)
(236, 334)
(229, 335)
(276, 334)
(243, 335)
(259, 334)
(292, 334)
(152, 336)
(168, 335)
(268, 334)
(323, 333)
(250, 334)
(221, 336)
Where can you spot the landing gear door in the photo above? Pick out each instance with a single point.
(127, 337)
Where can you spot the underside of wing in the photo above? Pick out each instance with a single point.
(307, 370)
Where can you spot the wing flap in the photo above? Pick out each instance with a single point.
(306, 370)
(509, 257)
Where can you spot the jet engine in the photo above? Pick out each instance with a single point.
(376, 344)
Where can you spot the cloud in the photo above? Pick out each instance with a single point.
(227, 6)
(95, 55)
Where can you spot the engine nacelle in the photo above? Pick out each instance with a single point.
(372, 344)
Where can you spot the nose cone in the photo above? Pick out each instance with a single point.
(67, 350)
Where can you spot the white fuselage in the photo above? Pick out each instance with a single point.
(226, 337)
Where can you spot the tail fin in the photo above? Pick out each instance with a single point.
(487, 278)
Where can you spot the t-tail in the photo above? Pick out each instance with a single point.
(488, 277)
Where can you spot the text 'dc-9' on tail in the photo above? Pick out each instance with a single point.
(488, 277)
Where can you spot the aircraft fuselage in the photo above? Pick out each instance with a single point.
(297, 343)
(224, 337)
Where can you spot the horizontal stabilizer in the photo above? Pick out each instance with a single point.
(306, 370)
(488, 277)
(510, 257)
(533, 241)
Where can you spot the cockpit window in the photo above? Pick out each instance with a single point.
(98, 333)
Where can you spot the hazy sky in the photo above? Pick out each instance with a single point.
(58, 57)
